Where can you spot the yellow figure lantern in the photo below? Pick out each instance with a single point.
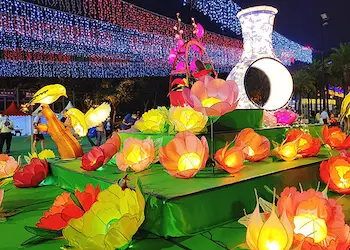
(273, 234)
(187, 119)
(95, 116)
(78, 121)
(49, 94)
(67, 145)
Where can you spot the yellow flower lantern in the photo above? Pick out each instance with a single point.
(153, 121)
(111, 221)
(187, 119)
(273, 234)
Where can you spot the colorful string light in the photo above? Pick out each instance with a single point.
(224, 12)
(55, 43)
(104, 38)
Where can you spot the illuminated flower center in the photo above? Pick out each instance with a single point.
(188, 119)
(189, 161)
(302, 142)
(342, 171)
(136, 154)
(288, 151)
(231, 160)
(251, 151)
(208, 102)
(273, 245)
(310, 226)
(2, 162)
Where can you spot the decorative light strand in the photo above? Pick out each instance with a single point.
(89, 47)
(224, 12)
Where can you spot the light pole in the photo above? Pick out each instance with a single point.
(325, 19)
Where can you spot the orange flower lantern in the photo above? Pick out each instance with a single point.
(318, 222)
(336, 173)
(335, 138)
(287, 151)
(231, 160)
(185, 155)
(307, 146)
(8, 166)
(255, 146)
(136, 154)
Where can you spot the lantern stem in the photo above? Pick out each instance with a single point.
(212, 143)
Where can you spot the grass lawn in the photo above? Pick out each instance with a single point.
(21, 145)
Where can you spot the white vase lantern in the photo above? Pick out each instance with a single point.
(257, 27)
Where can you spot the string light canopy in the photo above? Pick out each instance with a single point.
(224, 12)
(96, 39)
(128, 42)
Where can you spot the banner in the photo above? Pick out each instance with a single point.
(7, 94)
(29, 94)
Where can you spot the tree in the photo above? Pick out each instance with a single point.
(121, 94)
(304, 85)
(314, 71)
(339, 64)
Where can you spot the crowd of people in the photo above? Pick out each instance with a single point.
(106, 128)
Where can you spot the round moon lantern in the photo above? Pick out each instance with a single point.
(263, 81)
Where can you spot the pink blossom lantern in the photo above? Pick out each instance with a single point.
(286, 117)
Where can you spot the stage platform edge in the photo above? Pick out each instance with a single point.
(178, 207)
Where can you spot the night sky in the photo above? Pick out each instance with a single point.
(298, 20)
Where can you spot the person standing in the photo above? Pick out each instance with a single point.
(6, 127)
(325, 116)
(108, 127)
(128, 121)
(37, 136)
(100, 130)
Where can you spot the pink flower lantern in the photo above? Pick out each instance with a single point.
(172, 56)
(269, 119)
(213, 97)
(286, 117)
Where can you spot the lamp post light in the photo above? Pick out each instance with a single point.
(325, 19)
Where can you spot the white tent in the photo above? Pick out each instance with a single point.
(69, 106)
(35, 112)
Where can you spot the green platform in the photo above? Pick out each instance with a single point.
(177, 207)
(240, 119)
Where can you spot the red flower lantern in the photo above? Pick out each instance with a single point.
(231, 160)
(33, 173)
(93, 159)
(336, 173)
(255, 146)
(335, 138)
(64, 208)
(307, 146)
(175, 95)
(110, 147)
